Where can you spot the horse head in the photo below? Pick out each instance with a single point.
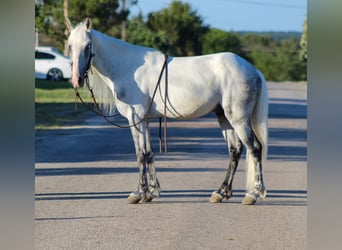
(80, 49)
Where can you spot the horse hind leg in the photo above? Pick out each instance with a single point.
(255, 185)
(235, 148)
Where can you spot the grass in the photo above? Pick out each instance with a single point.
(55, 105)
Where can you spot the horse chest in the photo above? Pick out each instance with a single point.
(121, 94)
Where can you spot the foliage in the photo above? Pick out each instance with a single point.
(304, 42)
(138, 33)
(216, 40)
(275, 35)
(183, 26)
(49, 19)
(279, 61)
(106, 16)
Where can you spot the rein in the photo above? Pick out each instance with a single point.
(98, 111)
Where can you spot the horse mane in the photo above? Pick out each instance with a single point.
(103, 93)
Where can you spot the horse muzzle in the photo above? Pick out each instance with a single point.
(77, 82)
(80, 81)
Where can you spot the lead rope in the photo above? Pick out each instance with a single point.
(99, 113)
(165, 97)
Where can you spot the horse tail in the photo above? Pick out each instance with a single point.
(260, 117)
(259, 124)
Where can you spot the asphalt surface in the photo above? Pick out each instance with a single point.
(84, 175)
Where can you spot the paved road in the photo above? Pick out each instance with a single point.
(84, 175)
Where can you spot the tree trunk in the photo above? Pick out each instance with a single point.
(123, 22)
(66, 32)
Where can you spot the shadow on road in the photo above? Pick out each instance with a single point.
(116, 170)
(290, 108)
(274, 197)
(112, 144)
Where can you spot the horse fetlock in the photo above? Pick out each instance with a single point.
(228, 194)
(149, 157)
(155, 190)
(257, 186)
(260, 190)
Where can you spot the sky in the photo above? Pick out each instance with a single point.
(240, 15)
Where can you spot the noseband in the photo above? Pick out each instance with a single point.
(89, 59)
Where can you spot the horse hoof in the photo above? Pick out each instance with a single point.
(248, 200)
(216, 197)
(133, 199)
(148, 198)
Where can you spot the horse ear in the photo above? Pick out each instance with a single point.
(68, 24)
(88, 23)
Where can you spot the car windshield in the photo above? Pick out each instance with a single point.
(44, 55)
(49, 53)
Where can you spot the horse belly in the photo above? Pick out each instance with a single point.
(189, 106)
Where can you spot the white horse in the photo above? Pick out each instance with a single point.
(124, 76)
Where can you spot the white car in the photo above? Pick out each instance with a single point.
(51, 65)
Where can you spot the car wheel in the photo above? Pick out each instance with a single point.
(55, 74)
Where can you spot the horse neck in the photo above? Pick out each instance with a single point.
(115, 58)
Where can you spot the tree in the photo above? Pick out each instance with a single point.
(278, 60)
(183, 26)
(49, 20)
(138, 33)
(106, 17)
(304, 42)
(124, 12)
(105, 14)
(216, 40)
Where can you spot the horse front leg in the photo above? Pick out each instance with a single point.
(255, 184)
(154, 186)
(138, 134)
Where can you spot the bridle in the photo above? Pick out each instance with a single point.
(90, 45)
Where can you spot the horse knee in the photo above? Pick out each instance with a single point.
(235, 152)
(257, 151)
(141, 157)
(149, 157)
